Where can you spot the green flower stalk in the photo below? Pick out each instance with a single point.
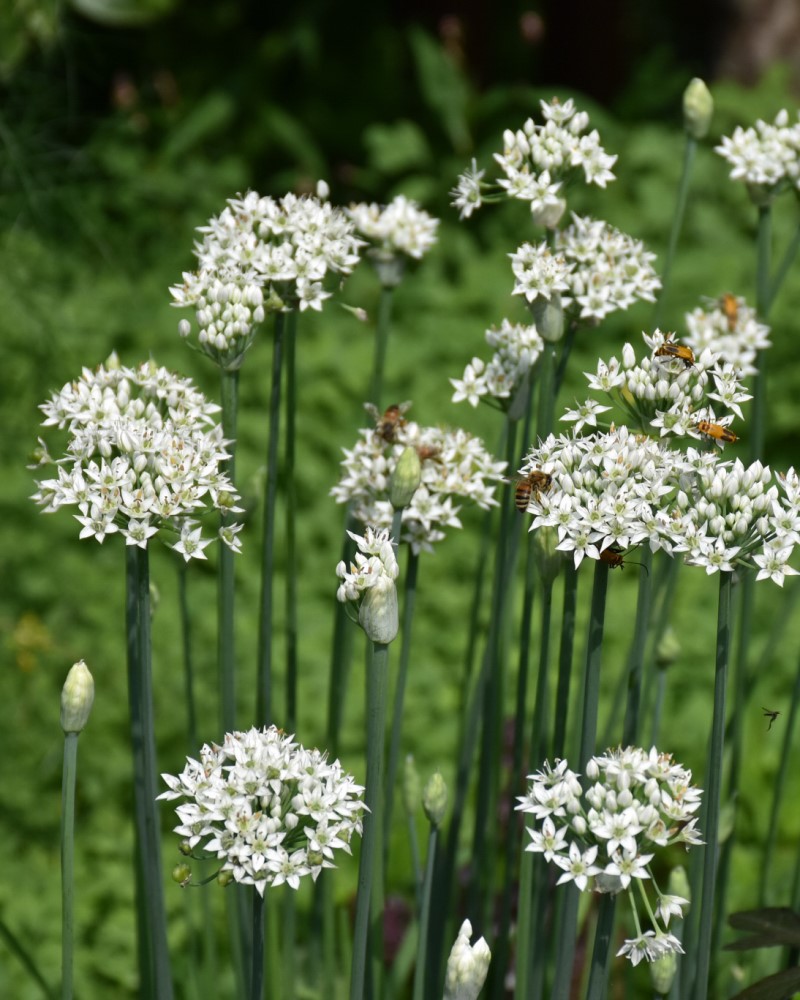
(77, 696)
(434, 802)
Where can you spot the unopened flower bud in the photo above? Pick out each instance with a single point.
(466, 967)
(184, 328)
(411, 786)
(225, 878)
(182, 874)
(377, 614)
(662, 972)
(77, 696)
(185, 848)
(550, 214)
(546, 556)
(548, 315)
(405, 479)
(389, 266)
(434, 799)
(698, 107)
(678, 885)
(323, 191)
(668, 649)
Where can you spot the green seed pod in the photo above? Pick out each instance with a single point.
(434, 799)
(182, 874)
(377, 614)
(406, 478)
(77, 696)
(662, 972)
(698, 109)
(225, 878)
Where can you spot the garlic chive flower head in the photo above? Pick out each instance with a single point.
(455, 467)
(144, 454)
(269, 809)
(262, 255)
(766, 156)
(729, 328)
(369, 582)
(603, 836)
(401, 227)
(517, 349)
(536, 162)
(467, 966)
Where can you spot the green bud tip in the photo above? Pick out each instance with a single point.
(77, 696)
(434, 799)
(377, 613)
(406, 478)
(182, 874)
(698, 109)
(411, 786)
(678, 884)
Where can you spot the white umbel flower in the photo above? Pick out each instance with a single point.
(401, 227)
(467, 966)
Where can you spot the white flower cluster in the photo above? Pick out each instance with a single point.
(467, 966)
(517, 349)
(766, 156)
(455, 466)
(670, 390)
(271, 810)
(262, 255)
(602, 837)
(144, 453)
(537, 159)
(730, 329)
(399, 227)
(593, 267)
(375, 561)
(609, 492)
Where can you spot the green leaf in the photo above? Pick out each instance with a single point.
(770, 926)
(444, 87)
(781, 986)
(123, 13)
(398, 147)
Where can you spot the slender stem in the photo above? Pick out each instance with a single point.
(758, 410)
(67, 861)
(288, 951)
(381, 342)
(565, 656)
(16, 947)
(264, 696)
(784, 267)
(409, 601)
(677, 224)
(777, 794)
(188, 661)
(257, 973)
(341, 651)
(140, 688)
(291, 533)
(370, 862)
(229, 391)
(713, 790)
(424, 919)
(630, 728)
(601, 955)
(566, 350)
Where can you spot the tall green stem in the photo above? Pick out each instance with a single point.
(157, 978)
(291, 532)
(677, 224)
(630, 727)
(264, 705)
(763, 259)
(370, 862)
(341, 650)
(601, 954)
(188, 662)
(67, 861)
(225, 586)
(784, 267)
(713, 790)
(257, 972)
(424, 919)
(565, 657)
(381, 341)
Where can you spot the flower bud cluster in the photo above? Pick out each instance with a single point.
(262, 255)
(401, 227)
(595, 268)
(144, 453)
(467, 966)
(537, 160)
(517, 349)
(455, 466)
(374, 561)
(731, 330)
(633, 804)
(766, 156)
(269, 809)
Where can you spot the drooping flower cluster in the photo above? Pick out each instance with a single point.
(455, 466)
(537, 160)
(517, 349)
(594, 269)
(730, 329)
(669, 390)
(401, 227)
(266, 807)
(262, 255)
(144, 454)
(604, 835)
(765, 156)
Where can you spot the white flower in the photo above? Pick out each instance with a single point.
(731, 330)
(399, 227)
(517, 349)
(766, 155)
(578, 866)
(265, 806)
(467, 966)
(467, 193)
(650, 946)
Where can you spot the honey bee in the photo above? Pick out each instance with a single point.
(669, 349)
(716, 431)
(390, 422)
(428, 452)
(729, 305)
(530, 487)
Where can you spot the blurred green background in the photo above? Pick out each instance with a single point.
(123, 126)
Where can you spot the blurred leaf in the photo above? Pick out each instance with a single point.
(206, 119)
(123, 13)
(782, 986)
(396, 148)
(443, 86)
(290, 134)
(23, 26)
(770, 927)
